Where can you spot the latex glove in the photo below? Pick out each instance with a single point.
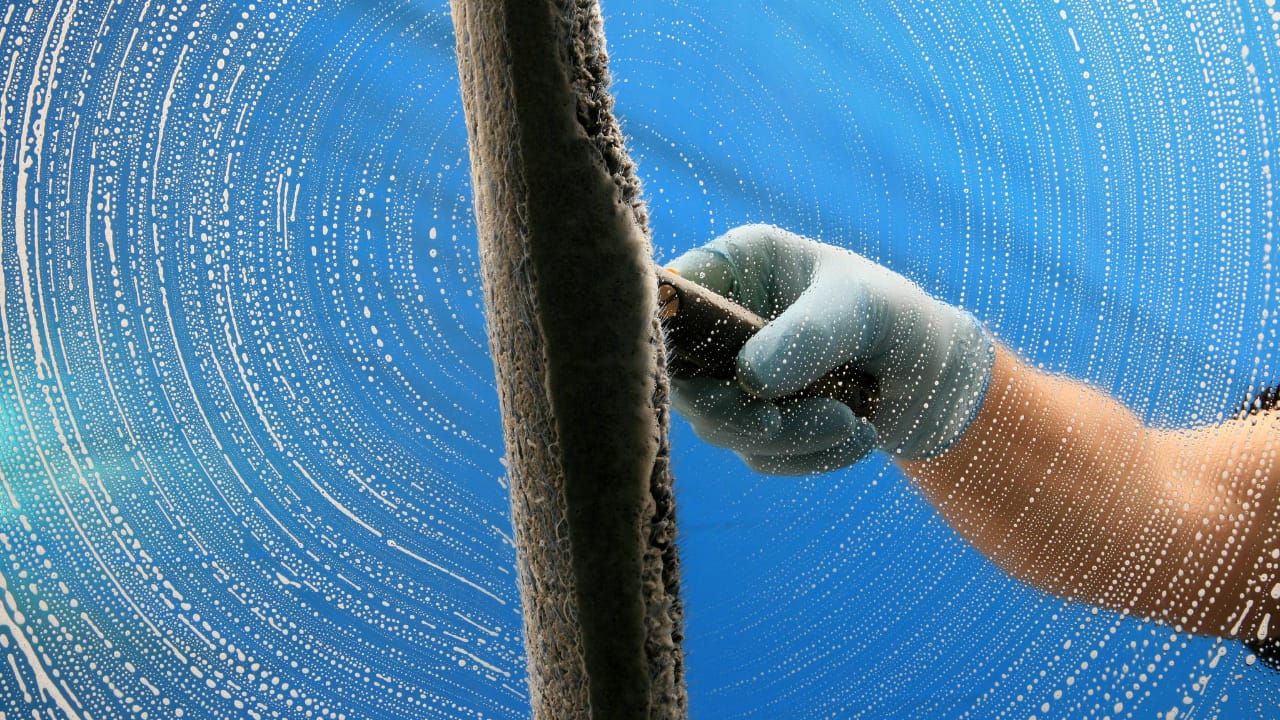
(828, 306)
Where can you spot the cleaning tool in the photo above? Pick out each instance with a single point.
(577, 349)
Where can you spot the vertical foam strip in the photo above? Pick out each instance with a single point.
(578, 354)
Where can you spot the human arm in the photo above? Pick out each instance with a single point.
(1055, 481)
(1068, 490)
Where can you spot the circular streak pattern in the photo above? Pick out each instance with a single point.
(266, 463)
(251, 464)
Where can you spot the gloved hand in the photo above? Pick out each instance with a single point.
(828, 306)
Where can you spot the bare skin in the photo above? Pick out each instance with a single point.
(1066, 489)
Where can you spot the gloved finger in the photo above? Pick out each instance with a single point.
(761, 267)
(848, 451)
(821, 330)
(722, 414)
(806, 426)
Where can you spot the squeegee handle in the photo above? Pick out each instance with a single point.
(705, 331)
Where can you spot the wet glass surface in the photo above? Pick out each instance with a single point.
(252, 458)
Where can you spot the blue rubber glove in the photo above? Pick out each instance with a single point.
(829, 306)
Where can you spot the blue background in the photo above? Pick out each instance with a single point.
(252, 460)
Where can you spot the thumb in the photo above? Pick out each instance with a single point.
(756, 266)
(707, 267)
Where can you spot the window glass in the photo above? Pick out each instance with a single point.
(253, 462)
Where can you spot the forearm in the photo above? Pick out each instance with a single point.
(1232, 479)
(1068, 490)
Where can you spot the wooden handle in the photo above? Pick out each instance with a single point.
(705, 331)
